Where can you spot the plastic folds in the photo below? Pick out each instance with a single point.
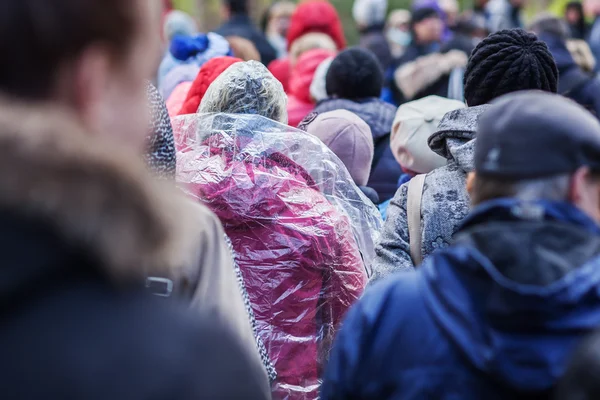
(302, 232)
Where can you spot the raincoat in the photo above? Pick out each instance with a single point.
(303, 233)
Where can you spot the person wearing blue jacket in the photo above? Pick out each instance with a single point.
(497, 314)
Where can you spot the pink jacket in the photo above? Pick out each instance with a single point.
(298, 256)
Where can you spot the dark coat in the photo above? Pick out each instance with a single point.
(495, 316)
(242, 26)
(374, 40)
(573, 82)
(379, 115)
(80, 224)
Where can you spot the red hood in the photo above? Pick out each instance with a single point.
(207, 75)
(304, 72)
(316, 16)
(281, 70)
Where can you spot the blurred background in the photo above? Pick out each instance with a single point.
(208, 12)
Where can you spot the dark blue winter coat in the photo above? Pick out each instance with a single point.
(379, 115)
(495, 316)
(573, 82)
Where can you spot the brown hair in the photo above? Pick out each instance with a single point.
(38, 37)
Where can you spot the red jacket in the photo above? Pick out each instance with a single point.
(300, 103)
(298, 256)
(316, 16)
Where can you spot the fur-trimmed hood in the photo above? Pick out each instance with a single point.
(94, 196)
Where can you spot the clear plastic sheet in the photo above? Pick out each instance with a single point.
(303, 233)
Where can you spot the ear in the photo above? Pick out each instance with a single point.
(471, 183)
(584, 193)
(89, 77)
(579, 185)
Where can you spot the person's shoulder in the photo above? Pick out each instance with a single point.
(392, 294)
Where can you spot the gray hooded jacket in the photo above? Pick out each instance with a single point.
(445, 202)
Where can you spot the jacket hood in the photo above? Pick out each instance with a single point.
(378, 114)
(454, 137)
(304, 72)
(518, 289)
(61, 188)
(316, 16)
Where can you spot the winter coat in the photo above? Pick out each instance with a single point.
(495, 316)
(445, 202)
(297, 253)
(300, 103)
(242, 26)
(573, 82)
(379, 115)
(82, 222)
(374, 40)
(282, 69)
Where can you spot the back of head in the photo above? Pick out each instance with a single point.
(243, 48)
(310, 41)
(547, 23)
(42, 37)
(580, 380)
(354, 74)
(415, 122)
(529, 145)
(368, 13)
(349, 137)
(237, 6)
(246, 88)
(316, 16)
(506, 62)
(179, 23)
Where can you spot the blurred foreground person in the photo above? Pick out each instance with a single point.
(574, 82)
(299, 226)
(505, 62)
(83, 223)
(497, 314)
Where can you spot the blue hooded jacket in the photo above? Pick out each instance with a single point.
(495, 316)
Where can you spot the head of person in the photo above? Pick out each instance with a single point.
(580, 380)
(548, 24)
(574, 13)
(508, 61)
(276, 20)
(398, 28)
(178, 23)
(243, 48)
(93, 57)
(246, 88)
(308, 42)
(369, 13)
(316, 16)
(231, 8)
(426, 26)
(517, 4)
(350, 138)
(415, 122)
(354, 74)
(451, 10)
(536, 146)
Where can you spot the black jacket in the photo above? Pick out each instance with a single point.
(242, 26)
(78, 223)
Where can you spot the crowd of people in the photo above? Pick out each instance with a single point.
(264, 212)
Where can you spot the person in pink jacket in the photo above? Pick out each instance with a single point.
(300, 102)
(301, 230)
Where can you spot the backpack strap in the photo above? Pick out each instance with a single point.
(413, 210)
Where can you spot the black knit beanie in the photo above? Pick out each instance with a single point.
(506, 62)
(354, 74)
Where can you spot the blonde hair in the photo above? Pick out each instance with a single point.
(310, 41)
(243, 48)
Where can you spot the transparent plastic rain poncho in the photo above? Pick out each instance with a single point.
(303, 233)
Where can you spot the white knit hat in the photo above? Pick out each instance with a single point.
(415, 122)
(369, 12)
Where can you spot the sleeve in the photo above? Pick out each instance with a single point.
(392, 254)
(342, 378)
(217, 291)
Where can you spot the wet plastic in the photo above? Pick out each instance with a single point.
(303, 233)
